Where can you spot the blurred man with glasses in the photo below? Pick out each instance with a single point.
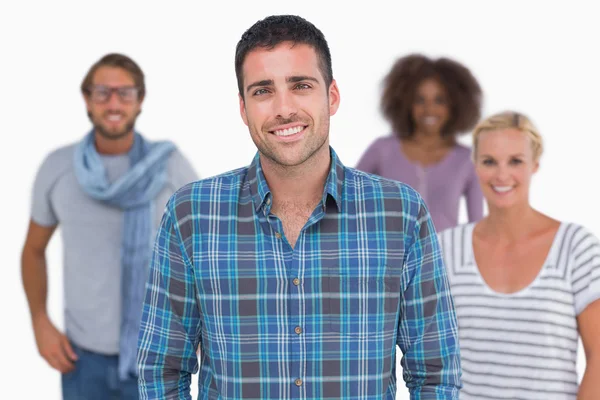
(107, 192)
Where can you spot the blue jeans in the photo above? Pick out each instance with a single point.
(96, 377)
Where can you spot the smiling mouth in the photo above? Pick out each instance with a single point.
(288, 131)
(502, 189)
(115, 117)
(431, 120)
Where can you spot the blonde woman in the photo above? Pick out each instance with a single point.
(525, 285)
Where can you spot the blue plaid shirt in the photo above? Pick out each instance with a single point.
(317, 321)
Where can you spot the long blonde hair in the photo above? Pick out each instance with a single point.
(508, 120)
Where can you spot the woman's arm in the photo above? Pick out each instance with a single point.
(589, 329)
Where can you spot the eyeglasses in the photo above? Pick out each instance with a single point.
(101, 94)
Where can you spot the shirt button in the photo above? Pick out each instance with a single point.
(269, 201)
(278, 235)
(296, 281)
(298, 382)
(298, 330)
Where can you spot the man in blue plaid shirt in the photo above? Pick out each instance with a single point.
(296, 276)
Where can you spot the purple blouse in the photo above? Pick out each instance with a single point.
(441, 185)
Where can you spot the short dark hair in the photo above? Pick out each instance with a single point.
(400, 87)
(118, 61)
(271, 31)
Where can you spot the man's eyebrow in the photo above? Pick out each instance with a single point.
(291, 79)
(300, 78)
(265, 82)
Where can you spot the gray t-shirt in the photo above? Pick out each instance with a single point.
(91, 236)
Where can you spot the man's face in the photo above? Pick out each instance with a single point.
(113, 103)
(286, 104)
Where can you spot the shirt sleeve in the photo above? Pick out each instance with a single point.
(369, 161)
(585, 275)
(170, 327)
(42, 211)
(427, 331)
(473, 196)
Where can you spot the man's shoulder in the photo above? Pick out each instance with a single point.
(61, 154)
(218, 188)
(377, 186)
(58, 161)
(176, 155)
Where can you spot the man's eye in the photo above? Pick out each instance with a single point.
(302, 86)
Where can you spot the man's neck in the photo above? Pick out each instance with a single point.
(113, 146)
(302, 184)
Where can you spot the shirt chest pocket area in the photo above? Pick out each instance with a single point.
(362, 305)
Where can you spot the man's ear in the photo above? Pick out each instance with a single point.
(243, 109)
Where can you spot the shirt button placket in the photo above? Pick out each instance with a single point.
(296, 330)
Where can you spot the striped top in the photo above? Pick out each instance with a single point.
(318, 321)
(523, 345)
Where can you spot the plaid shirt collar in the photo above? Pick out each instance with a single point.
(261, 194)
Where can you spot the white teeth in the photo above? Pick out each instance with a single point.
(289, 131)
(502, 189)
(430, 120)
(114, 117)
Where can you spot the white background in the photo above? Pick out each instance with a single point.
(534, 57)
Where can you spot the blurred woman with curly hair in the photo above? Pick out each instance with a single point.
(428, 103)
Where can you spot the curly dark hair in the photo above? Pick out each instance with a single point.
(273, 30)
(400, 86)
